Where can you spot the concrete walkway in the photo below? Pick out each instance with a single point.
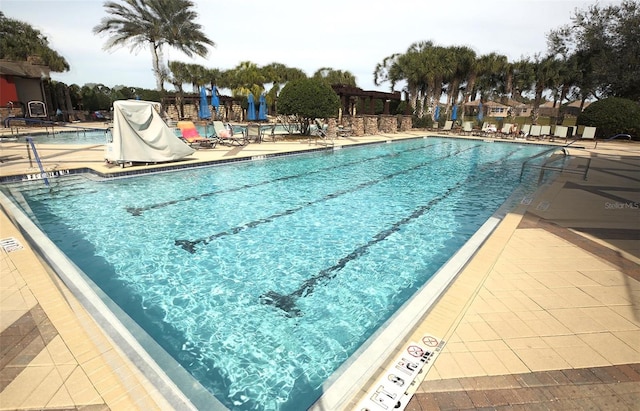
(545, 316)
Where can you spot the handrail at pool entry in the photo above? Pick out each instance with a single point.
(35, 153)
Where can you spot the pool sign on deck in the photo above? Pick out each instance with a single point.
(399, 381)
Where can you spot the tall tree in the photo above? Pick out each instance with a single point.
(20, 41)
(546, 72)
(606, 40)
(464, 58)
(332, 76)
(155, 23)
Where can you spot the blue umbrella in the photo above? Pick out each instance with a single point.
(251, 108)
(204, 113)
(454, 113)
(262, 109)
(215, 101)
(436, 116)
(480, 114)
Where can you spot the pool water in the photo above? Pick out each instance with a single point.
(261, 278)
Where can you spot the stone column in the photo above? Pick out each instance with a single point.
(371, 125)
(405, 123)
(388, 124)
(357, 126)
(332, 127)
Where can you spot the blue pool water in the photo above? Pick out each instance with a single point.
(261, 278)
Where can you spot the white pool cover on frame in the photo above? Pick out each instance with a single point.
(262, 278)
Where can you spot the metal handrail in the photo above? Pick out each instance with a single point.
(524, 164)
(48, 123)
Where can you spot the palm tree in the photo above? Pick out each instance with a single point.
(546, 70)
(278, 75)
(179, 76)
(246, 78)
(464, 58)
(485, 74)
(332, 76)
(156, 23)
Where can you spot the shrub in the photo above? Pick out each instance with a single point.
(308, 99)
(612, 116)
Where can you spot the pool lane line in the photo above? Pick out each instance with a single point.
(287, 302)
(137, 211)
(190, 245)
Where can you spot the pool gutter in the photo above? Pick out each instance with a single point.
(177, 387)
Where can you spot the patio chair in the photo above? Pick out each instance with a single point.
(535, 131)
(226, 136)
(525, 130)
(589, 133)
(545, 131)
(447, 126)
(506, 129)
(254, 133)
(467, 128)
(191, 136)
(559, 132)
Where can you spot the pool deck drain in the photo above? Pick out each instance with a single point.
(545, 315)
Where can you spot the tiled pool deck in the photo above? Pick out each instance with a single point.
(545, 316)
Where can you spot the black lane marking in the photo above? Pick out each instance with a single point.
(137, 211)
(287, 302)
(190, 245)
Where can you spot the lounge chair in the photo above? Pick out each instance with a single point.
(447, 126)
(489, 129)
(589, 133)
(344, 132)
(536, 131)
(467, 128)
(226, 136)
(545, 131)
(559, 132)
(254, 133)
(506, 129)
(525, 130)
(191, 136)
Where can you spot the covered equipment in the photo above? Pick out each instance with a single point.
(140, 135)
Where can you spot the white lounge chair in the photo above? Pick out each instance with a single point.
(447, 126)
(226, 136)
(560, 132)
(525, 130)
(589, 133)
(535, 131)
(506, 129)
(467, 127)
(545, 131)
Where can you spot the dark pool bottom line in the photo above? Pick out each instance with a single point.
(190, 245)
(137, 211)
(286, 302)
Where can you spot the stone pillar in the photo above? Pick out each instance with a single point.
(357, 126)
(405, 123)
(388, 124)
(371, 125)
(332, 128)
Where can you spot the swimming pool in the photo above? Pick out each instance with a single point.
(262, 278)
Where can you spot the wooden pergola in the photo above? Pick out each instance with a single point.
(349, 96)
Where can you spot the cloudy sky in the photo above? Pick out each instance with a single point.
(352, 35)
